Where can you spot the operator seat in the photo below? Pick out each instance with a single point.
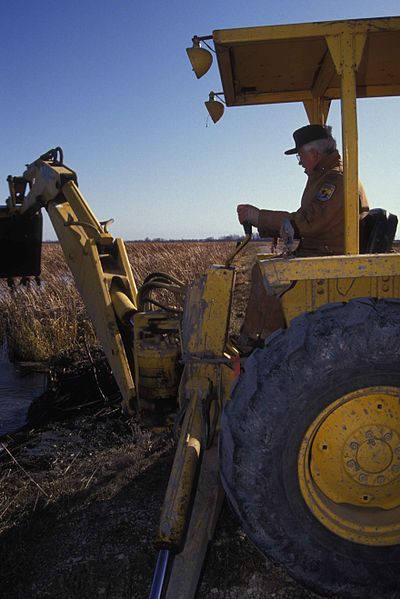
(377, 231)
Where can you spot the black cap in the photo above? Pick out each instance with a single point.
(307, 134)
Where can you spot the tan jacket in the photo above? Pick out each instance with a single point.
(319, 222)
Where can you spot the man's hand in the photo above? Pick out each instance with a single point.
(249, 213)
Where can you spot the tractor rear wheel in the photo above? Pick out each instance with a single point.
(310, 448)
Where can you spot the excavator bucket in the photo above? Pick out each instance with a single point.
(20, 244)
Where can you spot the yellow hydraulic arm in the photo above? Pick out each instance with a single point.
(98, 262)
(194, 495)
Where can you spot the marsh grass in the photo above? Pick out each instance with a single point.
(38, 323)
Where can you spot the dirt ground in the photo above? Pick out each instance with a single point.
(80, 502)
(80, 506)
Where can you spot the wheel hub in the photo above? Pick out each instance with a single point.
(349, 466)
(374, 455)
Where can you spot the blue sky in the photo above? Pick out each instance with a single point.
(109, 81)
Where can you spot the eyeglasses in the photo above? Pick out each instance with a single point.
(304, 152)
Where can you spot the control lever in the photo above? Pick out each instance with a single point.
(248, 232)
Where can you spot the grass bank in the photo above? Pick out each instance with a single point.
(38, 323)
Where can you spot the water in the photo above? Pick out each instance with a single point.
(18, 387)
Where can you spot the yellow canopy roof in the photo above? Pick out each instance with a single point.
(291, 63)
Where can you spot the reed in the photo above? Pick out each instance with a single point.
(38, 323)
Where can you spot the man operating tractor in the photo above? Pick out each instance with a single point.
(318, 224)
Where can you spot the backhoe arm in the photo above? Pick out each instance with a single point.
(98, 262)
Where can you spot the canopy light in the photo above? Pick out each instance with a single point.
(215, 108)
(200, 58)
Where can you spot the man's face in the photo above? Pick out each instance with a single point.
(308, 160)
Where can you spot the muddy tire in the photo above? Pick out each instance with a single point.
(298, 388)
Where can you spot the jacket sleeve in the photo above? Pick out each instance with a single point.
(270, 221)
(315, 216)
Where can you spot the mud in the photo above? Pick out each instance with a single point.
(80, 503)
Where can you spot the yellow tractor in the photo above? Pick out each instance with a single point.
(310, 440)
(306, 438)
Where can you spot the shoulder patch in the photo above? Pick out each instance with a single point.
(326, 192)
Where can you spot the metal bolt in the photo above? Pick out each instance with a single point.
(354, 445)
(397, 451)
(351, 464)
(387, 436)
(362, 478)
(380, 479)
(396, 468)
(369, 435)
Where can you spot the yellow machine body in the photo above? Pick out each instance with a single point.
(156, 351)
(353, 492)
(205, 385)
(306, 284)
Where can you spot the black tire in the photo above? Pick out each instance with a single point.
(284, 387)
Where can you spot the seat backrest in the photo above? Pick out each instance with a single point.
(377, 231)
